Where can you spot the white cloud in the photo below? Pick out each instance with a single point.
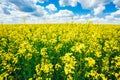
(109, 17)
(51, 7)
(59, 17)
(39, 11)
(85, 16)
(90, 4)
(85, 4)
(40, 1)
(117, 3)
(64, 3)
(116, 14)
(13, 11)
(113, 16)
(6, 8)
(24, 5)
(98, 10)
(1, 10)
(15, 16)
(82, 18)
(64, 13)
(28, 6)
(10, 13)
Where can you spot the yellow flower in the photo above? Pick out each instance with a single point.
(30, 79)
(69, 62)
(57, 48)
(21, 51)
(48, 79)
(92, 73)
(39, 78)
(57, 66)
(5, 74)
(98, 54)
(103, 78)
(38, 71)
(69, 69)
(28, 56)
(15, 60)
(43, 49)
(78, 47)
(91, 61)
(52, 41)
(43, 52)
(1, 78)
(47, 67)
(118, 64)
(117, 75)
(69, 77)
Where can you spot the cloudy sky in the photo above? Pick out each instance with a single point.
(59, 11)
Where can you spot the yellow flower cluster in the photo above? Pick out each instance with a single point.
(43, 52)
(96, 75)
(45, 67)
(116, 61)
(90, 61)
(57, 66)
(117, 75)
(70, 63)
(78, 47)
(57, 48)
(98, 54)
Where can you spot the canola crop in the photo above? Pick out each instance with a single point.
(59, 52)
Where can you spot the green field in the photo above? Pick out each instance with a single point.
(59, 52)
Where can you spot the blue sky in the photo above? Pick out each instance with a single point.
(59, 11)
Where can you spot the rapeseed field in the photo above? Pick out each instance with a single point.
(59, 51)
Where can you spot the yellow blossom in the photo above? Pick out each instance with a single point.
(57, 66)
(98, 54)
(91, 61)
